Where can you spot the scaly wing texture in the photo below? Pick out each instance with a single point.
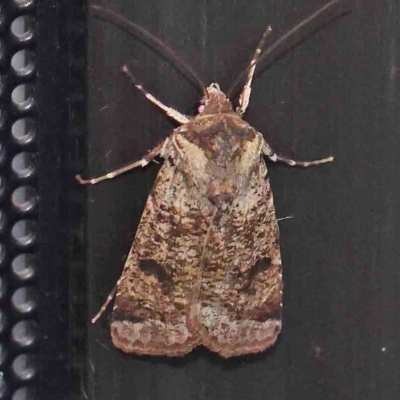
(150, 314)
(240, 300)
(197, 276)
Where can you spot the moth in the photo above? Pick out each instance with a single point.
(205, 265)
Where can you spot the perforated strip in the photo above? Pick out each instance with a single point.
(18, 201)
(41, 88)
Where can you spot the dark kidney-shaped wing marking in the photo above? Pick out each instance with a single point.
(240, 300)
(150, 314)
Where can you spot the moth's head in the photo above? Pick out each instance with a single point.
(214, 101)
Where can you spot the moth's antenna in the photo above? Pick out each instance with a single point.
(246, 91)
(156, 44)
(302, 26)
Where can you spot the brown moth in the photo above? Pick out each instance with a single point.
(205, 266)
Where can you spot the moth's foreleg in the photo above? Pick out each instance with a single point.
(171, 112)
(275, 157)
(140, 163)
(244, 98)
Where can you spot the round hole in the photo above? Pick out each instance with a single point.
(24, 198)
(24, 4)
(23, 165)
(22, 28)
(24, 232)
(23, 266)
(24, 300)
(23, 394)
(23, 131)
(23, 367)
(24, 333)
(23, 97)
(23, 63)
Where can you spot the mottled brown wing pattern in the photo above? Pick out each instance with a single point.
(201, 275)
(240, 299)
(151, 305)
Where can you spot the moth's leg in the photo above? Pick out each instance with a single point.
(140, 163)
(106, 303)
(244, 98)
(275, 157)
(171, 112)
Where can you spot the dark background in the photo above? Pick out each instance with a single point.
(335, 93)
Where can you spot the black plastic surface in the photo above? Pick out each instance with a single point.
(62, 246)
(336, 93)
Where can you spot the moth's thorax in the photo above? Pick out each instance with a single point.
(215, 101)
(218, 153)
(221, 137)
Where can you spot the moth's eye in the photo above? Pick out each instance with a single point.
(201, 108)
